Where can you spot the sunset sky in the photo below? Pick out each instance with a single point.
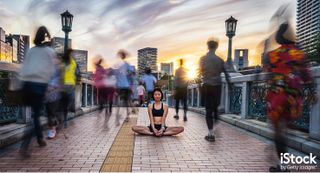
(178, 28)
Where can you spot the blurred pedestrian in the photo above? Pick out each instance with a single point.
(141, 92)
(133, 80)
(211, 67)
(123, 84)
(149, 81)
(105, 84)
(36, 71)
(53, 100)
(181, 89)
(157, 112)
(289, 74)
(71, 75)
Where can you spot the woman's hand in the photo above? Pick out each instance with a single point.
(155, 131)
(161, 131)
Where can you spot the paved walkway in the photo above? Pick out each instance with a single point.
(233, 150)
(87, 148)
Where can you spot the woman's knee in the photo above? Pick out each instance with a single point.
(134, 128)
(178, 129)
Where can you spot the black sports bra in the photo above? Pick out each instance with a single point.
(157, 112)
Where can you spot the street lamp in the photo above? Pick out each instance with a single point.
(66, 21)
(231, 25)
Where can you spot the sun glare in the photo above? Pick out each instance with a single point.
(192, 73)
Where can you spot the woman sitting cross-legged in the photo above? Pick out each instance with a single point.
(157, 114)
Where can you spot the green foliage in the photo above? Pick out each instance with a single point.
(4, 75)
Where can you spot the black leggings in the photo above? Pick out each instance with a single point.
(212, 96)
(185, 107)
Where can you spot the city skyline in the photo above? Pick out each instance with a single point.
(178, 28)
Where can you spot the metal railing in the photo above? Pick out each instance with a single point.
(248, 99)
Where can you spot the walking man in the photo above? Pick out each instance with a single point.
(211, 67)
(181, 89)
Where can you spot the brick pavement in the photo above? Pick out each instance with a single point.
(85, 148)
(119, 158)
(89, 142)
(233, 150)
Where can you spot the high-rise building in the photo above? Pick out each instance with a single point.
(167, 68)
(2, 35)
(308, 23)
(81, 57)
(5, 52)
(58, 44)
(147, 58)
(23, 45)
(241, 58)
(14, 45)
(5, 48)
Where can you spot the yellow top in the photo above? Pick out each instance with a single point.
(70, 73)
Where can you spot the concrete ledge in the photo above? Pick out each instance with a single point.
(12, 133)
(295, 139)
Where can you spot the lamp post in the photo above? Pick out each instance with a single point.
(66, 21)
(231, 25)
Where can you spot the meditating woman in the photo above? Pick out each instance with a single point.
(157, 115)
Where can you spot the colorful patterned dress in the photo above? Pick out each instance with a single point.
(289, 73)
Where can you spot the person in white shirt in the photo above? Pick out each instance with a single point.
(37, 69)
(141, 91)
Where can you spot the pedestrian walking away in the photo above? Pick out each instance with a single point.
(181, 90)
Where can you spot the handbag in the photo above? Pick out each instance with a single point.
(14, 91)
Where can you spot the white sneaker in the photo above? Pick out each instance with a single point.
(51, 134)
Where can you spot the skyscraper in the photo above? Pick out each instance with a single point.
(5, 48)
(23, 44)
(241, 58)
(308, 23)
(14, 45)
(147, 58)
(81, 57)
(58, 44)
(167, 68)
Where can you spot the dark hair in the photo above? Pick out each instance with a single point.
(212, 45)
(159, 90)
(66, 56)
(99, 61)
(123, 54)
(41, 34)
(181, 62)
(279, 37)
(147, 70)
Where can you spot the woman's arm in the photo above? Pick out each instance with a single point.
(150, 116)
(165, 113)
